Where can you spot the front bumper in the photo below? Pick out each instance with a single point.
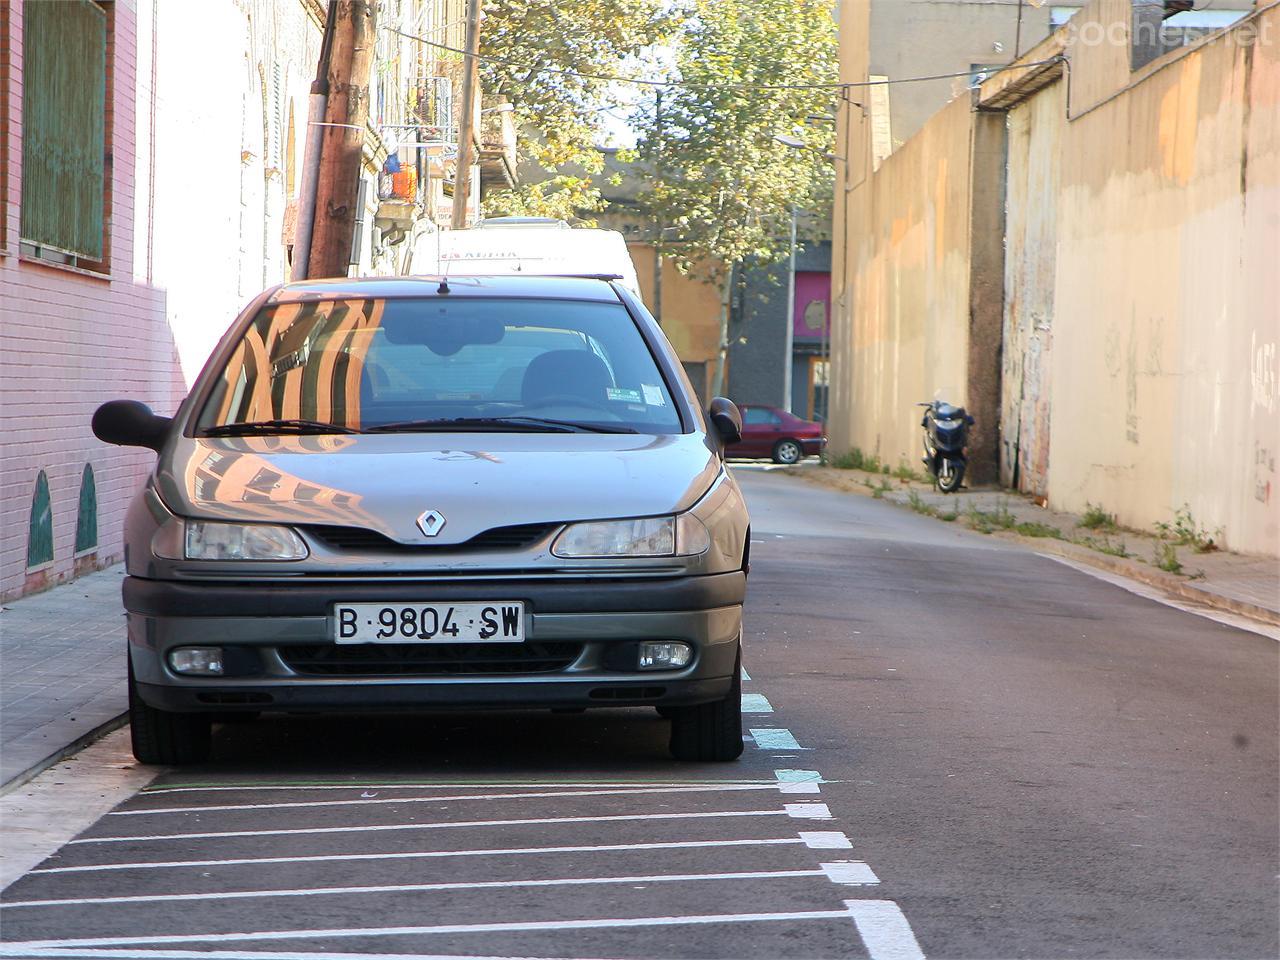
(601, 620)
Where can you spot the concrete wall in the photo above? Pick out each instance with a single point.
(1165, 366)
(905, 336)
(1140, 297)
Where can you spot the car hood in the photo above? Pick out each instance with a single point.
(477, 481)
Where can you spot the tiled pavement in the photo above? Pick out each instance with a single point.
(62, 670)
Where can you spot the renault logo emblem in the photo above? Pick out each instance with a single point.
(431, 522)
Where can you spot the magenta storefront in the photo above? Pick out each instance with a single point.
(810, 326)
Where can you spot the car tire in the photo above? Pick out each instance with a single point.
(163, 737)
(711, 732)
(787, 452)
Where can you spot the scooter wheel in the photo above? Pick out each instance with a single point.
(950, 476)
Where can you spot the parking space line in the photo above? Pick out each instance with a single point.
(455, 929)
(745, 675)
(884, 930)
(374, 801)
(799, 781)
(775, 738)
(756, 703)
(426, 887)
(854, 873)
(808, 811)
(431, 854)
(136, 954)
(825, 840)
(382, 827)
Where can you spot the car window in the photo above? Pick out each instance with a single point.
(363, 363)
(759, 416)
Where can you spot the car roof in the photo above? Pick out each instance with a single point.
(598, 288)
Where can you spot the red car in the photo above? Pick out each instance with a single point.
(770, 432)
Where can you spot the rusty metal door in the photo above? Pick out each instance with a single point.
(1031, 213)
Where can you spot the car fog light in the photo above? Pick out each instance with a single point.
(664, 654)
(200, 661)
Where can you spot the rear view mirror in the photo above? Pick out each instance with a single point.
(443, 336)
(727, 420)
(129, 423)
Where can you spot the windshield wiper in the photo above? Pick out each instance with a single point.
(496, 424)
(274, 426)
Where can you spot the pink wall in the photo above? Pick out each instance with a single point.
(69, 341)
(813, 304)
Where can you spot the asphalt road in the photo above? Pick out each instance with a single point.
(961, 749)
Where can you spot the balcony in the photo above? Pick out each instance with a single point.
(496, 147)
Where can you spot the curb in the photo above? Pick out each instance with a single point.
(1064, 548)
(72, 748)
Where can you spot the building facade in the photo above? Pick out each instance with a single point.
(151, 159)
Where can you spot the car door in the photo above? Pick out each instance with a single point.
(757, 432)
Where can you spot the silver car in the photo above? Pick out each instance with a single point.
(425, 494)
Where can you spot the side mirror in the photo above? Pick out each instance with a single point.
(727, 420)
(129, 423)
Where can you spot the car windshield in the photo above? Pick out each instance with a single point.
(440, 363)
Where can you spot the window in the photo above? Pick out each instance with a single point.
(87, 514)
(361, 364)
(760, 417)
(40, 531)
(64, 131)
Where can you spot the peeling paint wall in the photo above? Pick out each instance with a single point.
(1031, 239)
(1168, 291)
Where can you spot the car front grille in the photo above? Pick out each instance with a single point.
(370, 541)
(429, 659)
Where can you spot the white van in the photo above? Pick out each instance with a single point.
(532, 246)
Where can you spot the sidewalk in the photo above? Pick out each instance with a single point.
(62, 672)
(1237, 583)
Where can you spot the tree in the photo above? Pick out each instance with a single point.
(548, 59)
(721, 184)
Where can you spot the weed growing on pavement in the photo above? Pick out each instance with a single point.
(1095, 518)
(986, 521)
(878, 490)
(1166, 557)
(846, 461)
(978, 519)
(904, 473)
(948, 516)
(916, 503)
(1034, 528)
(855, 459)
(1185, 532)
(1117, 549)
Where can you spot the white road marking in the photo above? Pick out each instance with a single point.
(799, 781)
(430, 854)
(808, 811)
(821, 840)
(756, 703)
(451, 928)
(372, 801)
(854, 873)
(423, 887)
(774, 738)
(745, 675)
(378, 828)
(453, 785)
(884, 930)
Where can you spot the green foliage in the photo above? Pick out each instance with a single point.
(947, 515)
(986, 521)
(1033, 528)
(855, 459)
(721, 180)
(1184, 531)
(1095, 518)
(917, 503)
(879, 489)
(1166, 557)
(539, 52)
(904, 472)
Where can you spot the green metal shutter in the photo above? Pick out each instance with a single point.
(40, 533)
(64, 100)
(87, 515)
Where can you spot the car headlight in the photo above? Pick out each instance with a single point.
(682, 536)
(207, 540)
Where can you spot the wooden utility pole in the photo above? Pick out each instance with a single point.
(466, 131)
(345, 117)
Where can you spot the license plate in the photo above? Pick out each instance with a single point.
(494, 621)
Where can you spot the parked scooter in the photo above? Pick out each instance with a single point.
(946, 433)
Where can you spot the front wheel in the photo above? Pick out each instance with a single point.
(711, 731)
(950, 475)
(162, 737)
(787, 452)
